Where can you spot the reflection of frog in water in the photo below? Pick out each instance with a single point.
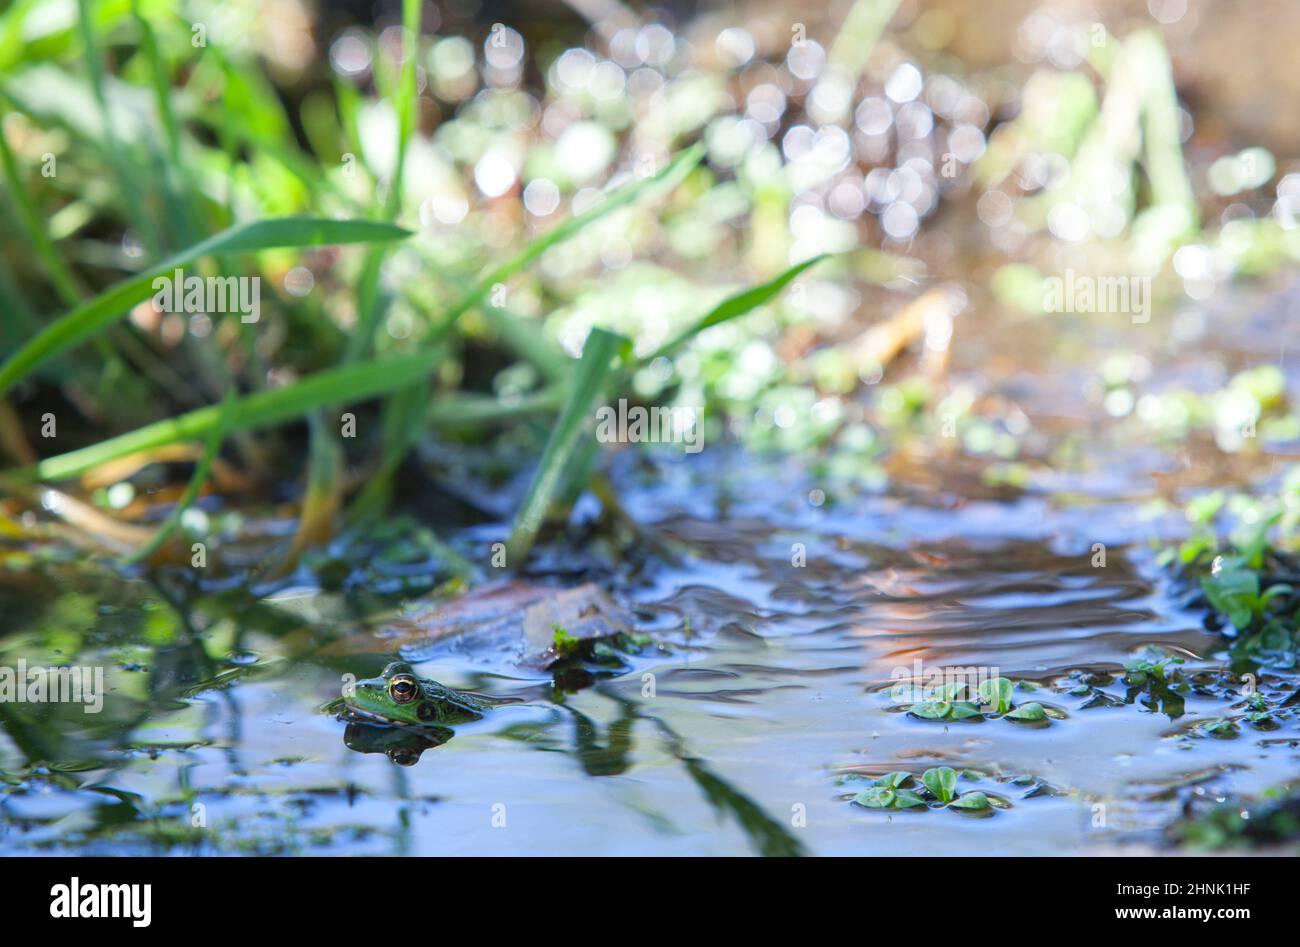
(402, 745)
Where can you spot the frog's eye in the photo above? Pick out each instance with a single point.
(403, 689)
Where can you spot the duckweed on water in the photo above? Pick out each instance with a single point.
(936, 788)
(995, 702)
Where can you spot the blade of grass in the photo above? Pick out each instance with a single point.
(133, 204)
(38, 236)
(161, 85)
(1163, 151)
(469, 410)
(668, 177)
(403, 414)
(402, 411)
(321, 499)
(590, 379)
(215, 436)
(65, 282)
(520, 334)
(733, 307)
(672, 174)
(349, 384)
(858, 34)
(95, 314)
(404, 102)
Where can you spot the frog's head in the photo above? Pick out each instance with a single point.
(402, 698)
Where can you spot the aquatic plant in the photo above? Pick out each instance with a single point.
(948, 706)
(1271, 819)
(935, 789)
(994, 702)
(1031, 711)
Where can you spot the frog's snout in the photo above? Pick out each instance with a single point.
(367, 690)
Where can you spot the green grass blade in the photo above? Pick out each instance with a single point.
(65, 282)
(667, 178)
(215, 436)
(590, 379)
(114, 149)
(369, 304)
(349, 384)
(1161, 143)
(36, 231)
(160, 80)
(471, 410)
(858, 34)
(94, 315)
(522, 335)
(733, 307)
(403, 421)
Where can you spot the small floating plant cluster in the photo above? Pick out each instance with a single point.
(1160, 684)
(939, 788)
(1155, 682)
(934, 789)
(992, 699)
(1249, 586)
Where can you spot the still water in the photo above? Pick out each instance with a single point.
(780, 625)
(772, 682)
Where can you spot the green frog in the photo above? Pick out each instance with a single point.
(401, 715)
(400, 697)
(577, 635)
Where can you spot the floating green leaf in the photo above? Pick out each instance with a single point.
(972, 800)
(894, 780)
(907, 799)
(932, 709)
(877, 797)
(996, 693)
(1030, 711)
(942, 782)
(964, 710)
